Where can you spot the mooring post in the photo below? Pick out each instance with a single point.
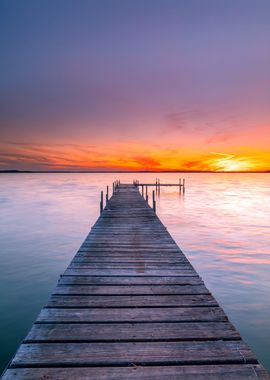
(101, 202)
(146, 194)
(107, 194)
(184, 185)
(154, 201)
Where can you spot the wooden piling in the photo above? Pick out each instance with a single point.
(153, 200)
(101, 202)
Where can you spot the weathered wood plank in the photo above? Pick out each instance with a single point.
(131, 255)
(124, 260)
(131, 332)
(130, 280)
(159, 314)
(130, 290)
(96, 354)
(129, 272)
(176, 372)
(128, 266)
(132, 301)
(108, 245)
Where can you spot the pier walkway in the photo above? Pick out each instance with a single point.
(131, 306)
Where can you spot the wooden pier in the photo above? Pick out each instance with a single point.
(131, 306)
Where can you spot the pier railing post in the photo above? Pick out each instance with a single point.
(146, 194)
(154, 201)
(107, 194)
(101, 202)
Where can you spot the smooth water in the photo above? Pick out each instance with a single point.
(221, 224)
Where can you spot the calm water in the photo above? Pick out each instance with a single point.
(222, 224)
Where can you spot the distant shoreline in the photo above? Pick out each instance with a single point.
(124, 171)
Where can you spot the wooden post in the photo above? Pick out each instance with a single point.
(146, 194)
(142, 191)
(107, 194)
(184, 185)
(154, 201)
(101, 202)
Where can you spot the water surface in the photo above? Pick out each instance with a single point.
(221, 223)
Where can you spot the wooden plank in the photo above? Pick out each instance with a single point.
(131, 256)
(130, 280)
(113, 332)
(126, 260)
(128, 266)
(158, 247)
(132, 301)
(130, 290)
(175, 372)
(138, 353)
(129, 272)
(158, 314)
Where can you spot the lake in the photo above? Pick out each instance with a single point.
(222, 223)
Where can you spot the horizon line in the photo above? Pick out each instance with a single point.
(14, 171)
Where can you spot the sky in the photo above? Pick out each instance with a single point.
(135, 85)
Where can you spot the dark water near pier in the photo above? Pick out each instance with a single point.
(222, 224)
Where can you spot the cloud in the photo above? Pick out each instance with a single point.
(147, 162)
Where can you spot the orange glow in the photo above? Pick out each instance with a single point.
(231, 163)
(130, 155)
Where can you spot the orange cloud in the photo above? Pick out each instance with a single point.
(130, 155)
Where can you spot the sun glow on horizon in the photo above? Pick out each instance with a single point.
(231, 163)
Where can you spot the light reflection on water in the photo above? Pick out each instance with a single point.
(221, 223)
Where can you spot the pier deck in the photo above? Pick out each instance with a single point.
(131, 306)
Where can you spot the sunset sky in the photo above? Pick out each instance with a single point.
(135, 85)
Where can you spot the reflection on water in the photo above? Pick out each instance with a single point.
(221, 223)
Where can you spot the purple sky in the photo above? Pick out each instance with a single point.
(156, 76)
